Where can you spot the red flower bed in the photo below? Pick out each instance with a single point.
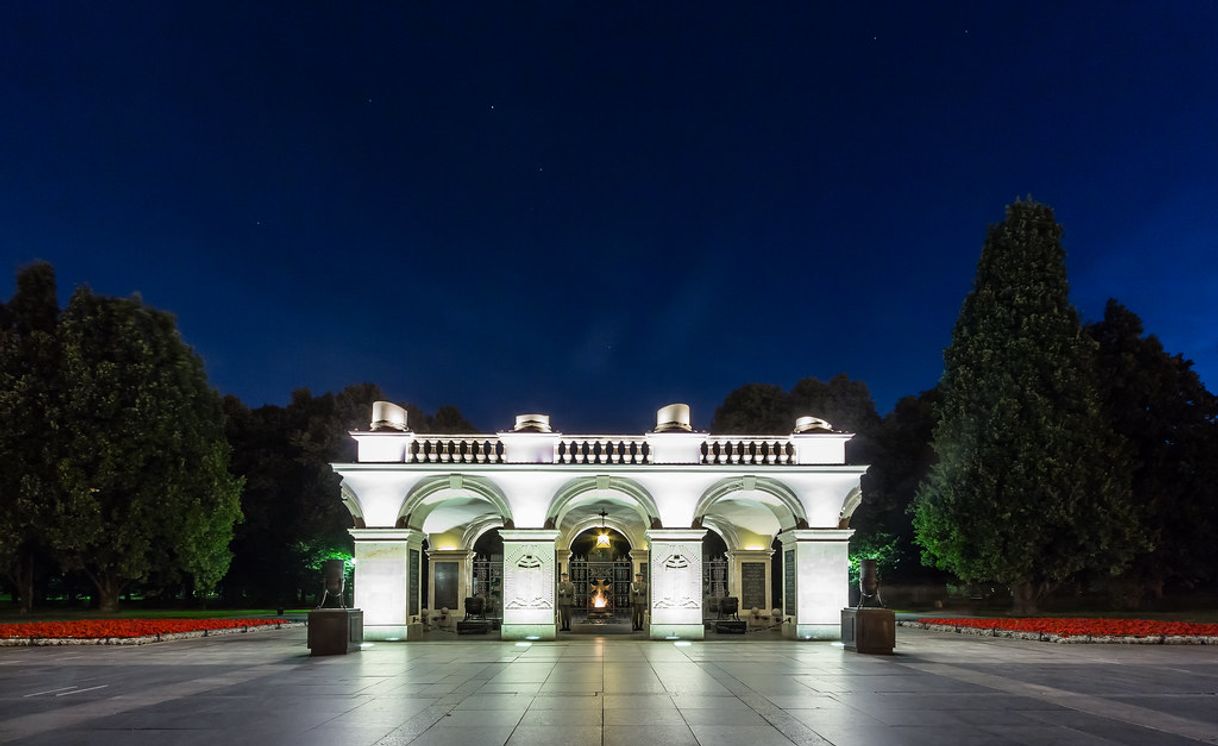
(100, 628)
(1079, 626)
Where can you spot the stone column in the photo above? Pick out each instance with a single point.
(676, 583)
(563, 558)
(817, 563)
(529, 578)
(738, 559)
(386, 581)
(448, 562)
(638, 558)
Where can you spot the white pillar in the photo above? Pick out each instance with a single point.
(638, 558)
(384, 583)
(676, 583)
(528, 584)
(817, 563)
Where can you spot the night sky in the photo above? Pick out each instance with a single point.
(591, 211)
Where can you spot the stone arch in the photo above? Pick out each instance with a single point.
(853, 500)
(725, 530)
(480, 486)
(475, 530)
(576, 487)
(351, 502)
(637, 539)
(797, 516)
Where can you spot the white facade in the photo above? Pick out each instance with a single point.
(662, 490)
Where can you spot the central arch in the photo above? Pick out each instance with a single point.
(569, 493)
(571, 531)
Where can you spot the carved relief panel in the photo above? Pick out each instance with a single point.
(676, 571)
(528, 582)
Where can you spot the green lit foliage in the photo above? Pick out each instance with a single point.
(882, 547)
(1031, 485)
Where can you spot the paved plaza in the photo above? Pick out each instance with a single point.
(262, 688)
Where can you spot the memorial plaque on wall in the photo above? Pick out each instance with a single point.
(446, 585)
(416, 562)
(752, 585)
(788, 574)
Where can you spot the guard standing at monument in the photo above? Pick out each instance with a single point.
(638, 601)
(566, 596)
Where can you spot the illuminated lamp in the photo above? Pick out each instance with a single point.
(602, 539)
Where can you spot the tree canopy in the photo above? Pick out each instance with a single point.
(146, 490)
(765, 409)
(31, 386)
(1159, 405)
(294, 515)
(1031, 485)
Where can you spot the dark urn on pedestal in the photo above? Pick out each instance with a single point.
(335, 631)
(869, 628)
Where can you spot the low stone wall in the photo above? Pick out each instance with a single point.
(1064, 639)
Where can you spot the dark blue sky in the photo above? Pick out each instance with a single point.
(592, 211)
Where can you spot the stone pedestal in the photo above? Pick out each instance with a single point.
(871, 631)
(529, 581)
(676, 583)
(335, 631)
(816, 577)
(386, 581)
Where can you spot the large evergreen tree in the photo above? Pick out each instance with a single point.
(1159, 404)
(1031, 485)
(144, 470)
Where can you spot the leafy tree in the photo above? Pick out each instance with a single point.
(754, 409)
(144, 474)
(293, 512)
(1031, 485)
(844, 402)
(900, 458)
(30, 386)
(765, 409)
(448, 420)
(1159, 404)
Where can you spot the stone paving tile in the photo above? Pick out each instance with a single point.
(556, 735)
(563, 717)
(668, 735)
(483, 736)
(644, 717)
(728, 735)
